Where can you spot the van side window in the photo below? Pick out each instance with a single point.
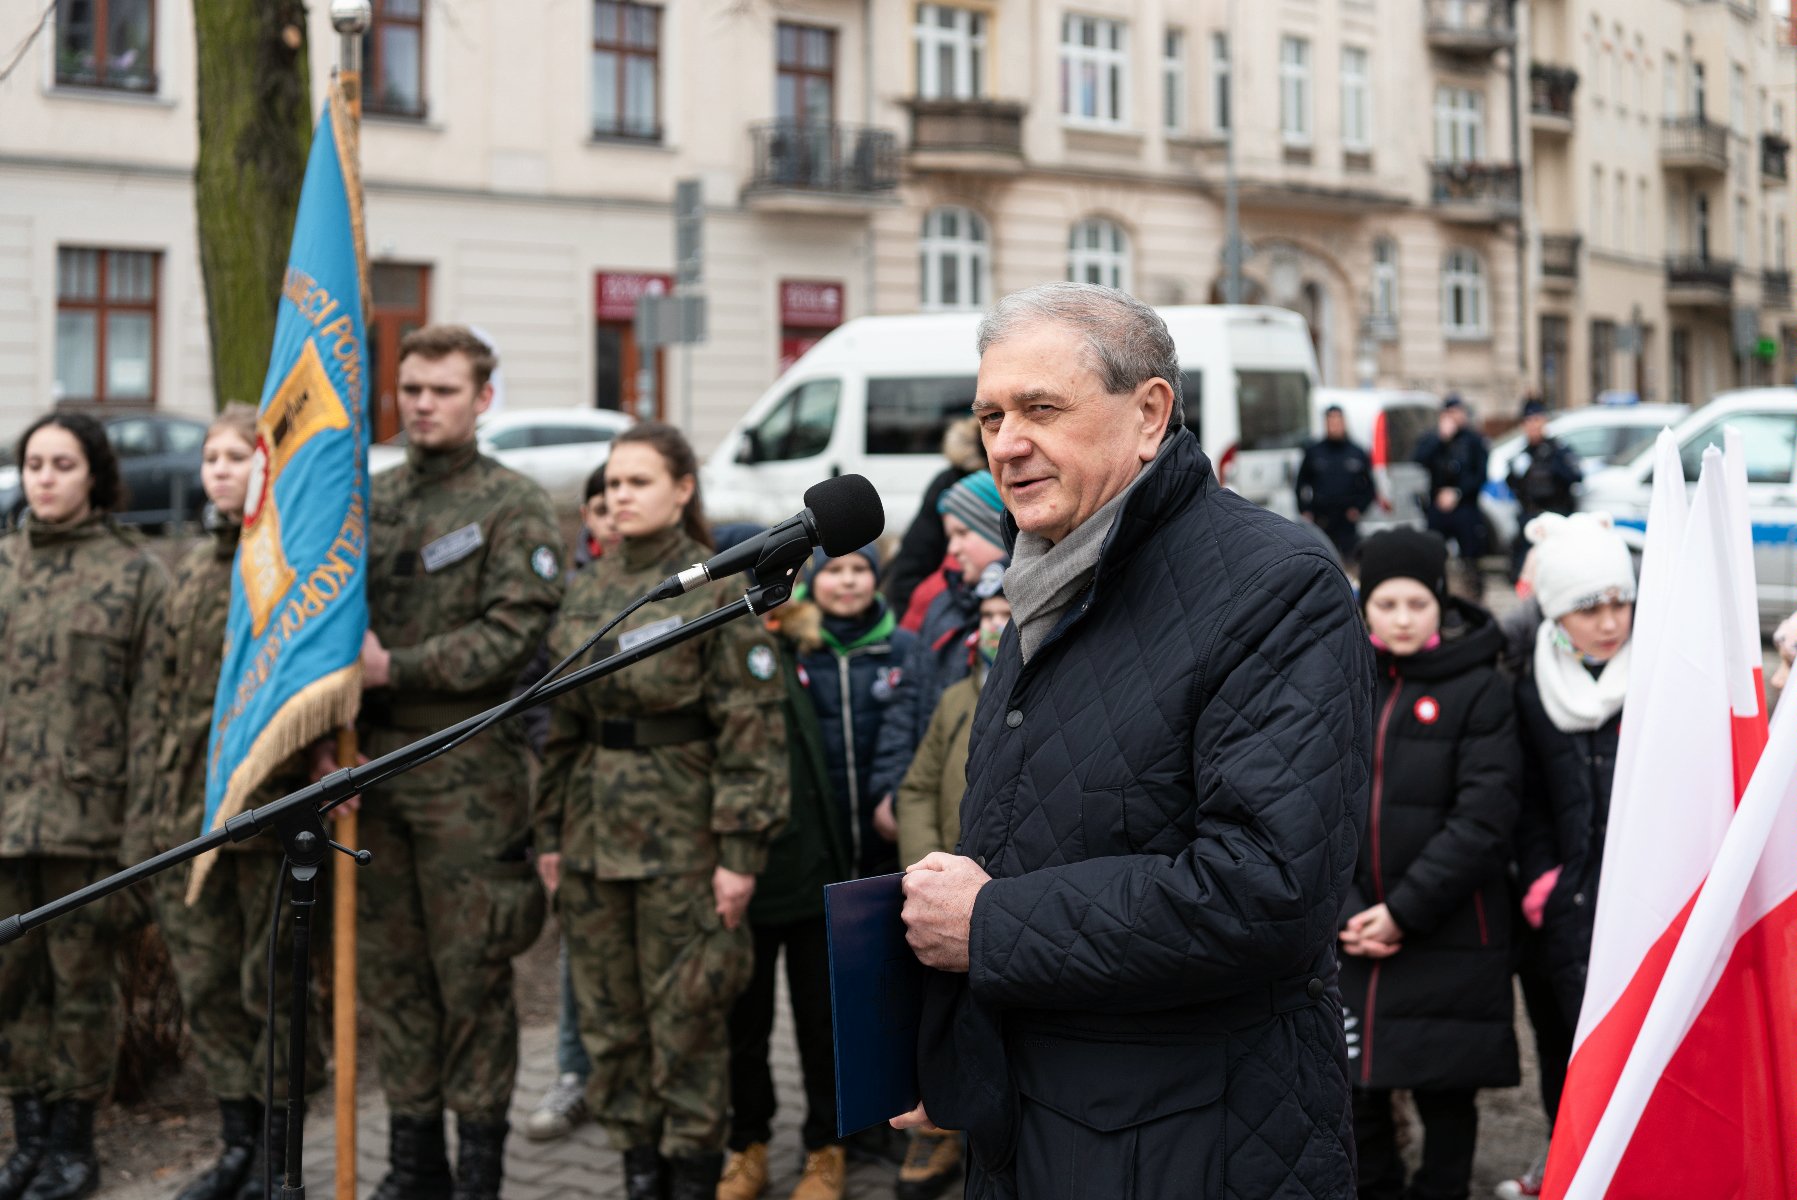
(908, 416)
(1275, 409)
(799, 426)
(1770, 440)
(1191, 395)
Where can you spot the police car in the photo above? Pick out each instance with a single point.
(1767, 421)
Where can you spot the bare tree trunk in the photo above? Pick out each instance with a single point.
(255, 112)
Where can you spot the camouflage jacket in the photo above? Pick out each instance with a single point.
(635, 813)
(189, 650)
(77, 689)
(464, 574)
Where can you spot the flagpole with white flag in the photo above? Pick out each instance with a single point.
(1747, 677)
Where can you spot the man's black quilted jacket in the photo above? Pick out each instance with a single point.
(1167, 799)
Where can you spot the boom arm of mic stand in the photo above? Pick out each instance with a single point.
(339, 786)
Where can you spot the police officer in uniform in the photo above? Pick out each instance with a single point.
(1335, 484)
(464, 577)
(661, 788)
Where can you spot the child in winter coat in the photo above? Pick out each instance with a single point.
(1425, 937)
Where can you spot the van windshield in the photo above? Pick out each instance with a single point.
(908, 416)
(1275, 409)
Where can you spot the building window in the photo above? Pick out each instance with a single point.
(106, 325)
(1173, 81)
(805, 74)
(1094, 70)
(1597, 207)
(951, 53)
(1603, 355)
(1219, 82)
(106, 44)
(1459, 124)
(1463, 295)
(1669, 106)
(1699, 96)
(955, 260)
(401, 295)
(1737, 101)
(626, 70)
(1098, 252)
(1294, 91)
(1357, 101)
(1385, 280)
(1625, 68)
(394, 50)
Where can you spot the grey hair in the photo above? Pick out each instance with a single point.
(1126, 340)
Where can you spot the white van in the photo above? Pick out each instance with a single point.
(1387, 423)
(874, 396)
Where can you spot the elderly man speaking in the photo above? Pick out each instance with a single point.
(1134, 992)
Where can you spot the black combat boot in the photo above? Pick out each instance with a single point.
(256, 1178)
(479, 1158)
(418, 1160)
(645, 1174)
(694, 1176)
(70, 1169)
(31, 1131)
(240, 1128)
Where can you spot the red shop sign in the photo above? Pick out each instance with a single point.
(810, 303)
(616, 292)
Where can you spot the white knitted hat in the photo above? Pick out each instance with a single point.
(1580, 561)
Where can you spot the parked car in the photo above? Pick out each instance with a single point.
(1767, 421)
(159, 458)
(1600, 435)
(1386, 423)
(874, 396)
(557, 447)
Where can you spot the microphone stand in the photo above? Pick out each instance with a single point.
(296, 820)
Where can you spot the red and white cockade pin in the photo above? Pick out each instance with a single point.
(1427, 710)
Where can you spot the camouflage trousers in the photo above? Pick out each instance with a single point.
(219, 949)
(655, 974)
(59, 998)
(449, 900)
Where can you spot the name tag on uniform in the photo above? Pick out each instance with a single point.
(451, 548)
(636, 637)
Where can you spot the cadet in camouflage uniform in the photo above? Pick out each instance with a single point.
(464, 577)
(661, 788)
(218, 946)
(78, 598)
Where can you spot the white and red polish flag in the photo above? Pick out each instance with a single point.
(1747, 678)
(1684, 1071)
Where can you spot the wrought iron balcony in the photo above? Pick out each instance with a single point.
(966, 135)
(1550, 96)
(826, 164)
(1775, 289)
(1775, 159)
(1693, 144)
(1469, 27)
(1560, 258)
(1699, 280)
(1479, 192)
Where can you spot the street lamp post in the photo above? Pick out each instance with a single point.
(1232, 223)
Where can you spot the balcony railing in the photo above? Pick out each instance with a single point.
(1775, 289)
(1699, 279)
(1469, 26)
(831, 159)
(1775, 158)
(943, 128)
(1551, 90)
(1693, 143)
(1560, 256)
(1476, 190)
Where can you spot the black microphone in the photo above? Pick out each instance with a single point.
(841, 515)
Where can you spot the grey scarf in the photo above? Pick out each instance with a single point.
(1044, 578)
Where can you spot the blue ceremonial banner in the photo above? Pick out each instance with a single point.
(293, 644)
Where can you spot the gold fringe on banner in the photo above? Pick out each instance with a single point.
(315, 711)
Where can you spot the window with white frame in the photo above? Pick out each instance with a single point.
(1669, 97)
(1737, 101)
(1098, 252)
(1385, 280)
(951, 52)
(1463, 302)
(1094, 70)
(1357, 101)
(1625, 69)
(1459, 124)
(1641, 68)
(1597, 207)
(954, 258)
(1294, 91)
(1173, 81)
(1219, 82)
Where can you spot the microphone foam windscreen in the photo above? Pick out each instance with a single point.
(848, 513)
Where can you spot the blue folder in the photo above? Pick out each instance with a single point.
(876, 998)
